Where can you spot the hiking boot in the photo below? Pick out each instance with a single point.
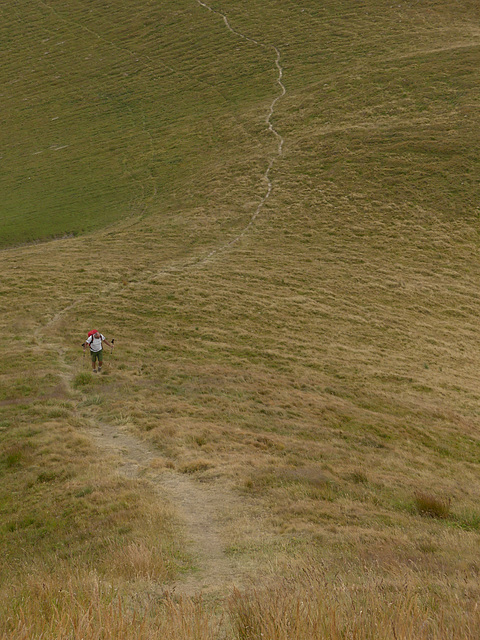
(99, 369)
(94, 371)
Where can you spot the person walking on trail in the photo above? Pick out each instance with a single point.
(95, 342)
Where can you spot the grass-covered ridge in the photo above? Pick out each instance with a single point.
(298, 407)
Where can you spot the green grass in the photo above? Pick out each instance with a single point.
(111, 114)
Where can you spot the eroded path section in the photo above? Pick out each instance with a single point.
(202, 510)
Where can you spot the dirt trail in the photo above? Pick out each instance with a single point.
(203, 509)
(268, 122)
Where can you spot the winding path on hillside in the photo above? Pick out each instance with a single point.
(203, 509)
(268, 122)
(150, 63)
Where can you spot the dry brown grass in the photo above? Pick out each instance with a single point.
(312, 607)
(433, 506)
(83, 606)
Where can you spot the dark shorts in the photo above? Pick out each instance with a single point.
(97, 355)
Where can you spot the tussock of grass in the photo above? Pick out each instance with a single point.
(358, 477)
(16, 455)
(141, 560)
(195, 465)
(83, 605)
(82, 379)
(429, 505)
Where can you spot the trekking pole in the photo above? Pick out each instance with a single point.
(113, 341)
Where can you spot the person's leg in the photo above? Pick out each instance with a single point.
(100, 360)
(94, 357)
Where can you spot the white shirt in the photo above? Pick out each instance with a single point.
(95, 343)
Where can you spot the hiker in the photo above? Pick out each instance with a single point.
(95, 342)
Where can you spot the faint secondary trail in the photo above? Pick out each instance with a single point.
(268, 122)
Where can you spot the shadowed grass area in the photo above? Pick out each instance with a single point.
(103, 116)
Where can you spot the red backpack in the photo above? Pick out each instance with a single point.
(90, 333)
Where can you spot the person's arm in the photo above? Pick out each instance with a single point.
(107, 343)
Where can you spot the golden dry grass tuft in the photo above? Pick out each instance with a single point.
(83, 606)
(433, 506)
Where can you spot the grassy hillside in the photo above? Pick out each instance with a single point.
(292, 402)
(106, 109)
